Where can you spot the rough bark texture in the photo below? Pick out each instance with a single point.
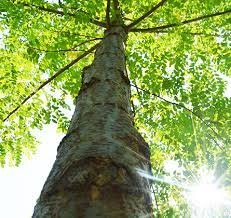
(95, 174)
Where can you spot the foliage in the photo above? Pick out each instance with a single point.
(179, 77)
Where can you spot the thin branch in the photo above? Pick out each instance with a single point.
(50, 10)
(185, 108)
(59, 50)
(137, 90)
(78, 10)
(60, 3)
(155, 29)
(108, 13)
(194, 33)
(50, 79)
(70, 49)
(74, 33)
(153, 9)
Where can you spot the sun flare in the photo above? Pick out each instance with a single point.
(205, 195)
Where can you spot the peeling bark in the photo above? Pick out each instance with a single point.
(94, 174)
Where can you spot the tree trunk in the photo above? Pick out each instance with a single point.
(95, 172)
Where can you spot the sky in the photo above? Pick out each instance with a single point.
(20, 186)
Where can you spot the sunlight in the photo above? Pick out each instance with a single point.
(166, 180)
(205, 197)
(208, 198)
(206, 194)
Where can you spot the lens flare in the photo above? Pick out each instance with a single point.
(206, 197)
(206, 194)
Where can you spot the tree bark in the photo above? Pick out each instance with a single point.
(95, 172)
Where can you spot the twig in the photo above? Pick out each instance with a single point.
(108, 13)
(153, 9)
(50, 79)
(50, 10)
(154, 29)
(182, 106)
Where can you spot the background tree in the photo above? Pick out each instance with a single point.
(177, 63)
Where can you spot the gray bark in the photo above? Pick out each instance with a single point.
(95, 174)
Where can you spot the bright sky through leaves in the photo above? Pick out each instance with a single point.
(21, 186)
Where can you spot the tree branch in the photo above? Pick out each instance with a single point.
(185, 108)
(60, 50)
(137, 90)
(50, 79)
(71, 34)
(195, 33)
(155, 29)
(108, 22)
(116, 4)
(50, 10)
(81, 11)
(117, 18)
(70, 49)
(153, 9)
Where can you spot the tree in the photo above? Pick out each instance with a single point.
(169, 57)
